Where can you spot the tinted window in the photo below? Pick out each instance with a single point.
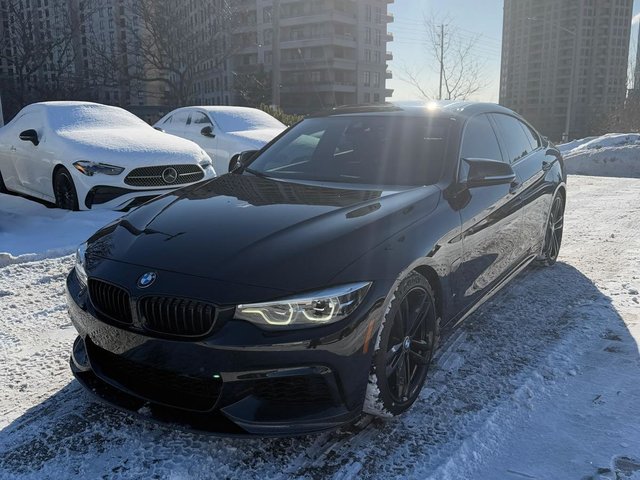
(379, 150)
(513, 136)
(480, 140)
(534, 140)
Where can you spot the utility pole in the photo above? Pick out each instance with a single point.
(572, 79)
(441, 59)
(275, 56)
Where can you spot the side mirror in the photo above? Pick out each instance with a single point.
(158, 128)
(208, 132)
(30, 136)
(239, 160)
(482, 172)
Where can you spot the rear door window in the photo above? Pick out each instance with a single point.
(479, 140)
(514, 139)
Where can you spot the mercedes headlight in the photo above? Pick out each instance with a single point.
(317, 308)
(81, 271)
(91, 168)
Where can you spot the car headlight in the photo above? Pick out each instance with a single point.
(91, 168)
(317, 308)
(206, 163)
(81, 271)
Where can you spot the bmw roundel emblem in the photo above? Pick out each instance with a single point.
(147, 279)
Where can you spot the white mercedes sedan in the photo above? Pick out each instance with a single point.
(83, 155)
(222, 131)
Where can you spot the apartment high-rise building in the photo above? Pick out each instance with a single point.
(565, 59)
(166, 54)
(36, 51)
(332, 52)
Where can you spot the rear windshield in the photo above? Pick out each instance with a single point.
(242, 119)
(375, 150)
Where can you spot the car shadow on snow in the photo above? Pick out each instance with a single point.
(529, 336)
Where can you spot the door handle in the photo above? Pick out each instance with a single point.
(515, 185)
(546, 165)
(13, 149)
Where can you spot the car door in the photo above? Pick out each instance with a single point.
(530, 162)
(28, 162)
(490, 218)
(198, 129)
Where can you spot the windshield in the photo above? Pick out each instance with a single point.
(82, 117)
(241, 119)
(375, 150)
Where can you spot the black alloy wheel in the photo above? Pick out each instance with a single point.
(407, 341)
(64, 190)
(553, 235)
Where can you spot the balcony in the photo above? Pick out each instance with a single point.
(318, 63)
(320, 86)
(388, 74)
(389, 17)
(340, 40)
(388, 56)
(322, 17)
(389, 37)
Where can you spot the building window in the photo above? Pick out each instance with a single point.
(378, 38)
(377, 56)
(378, 15)
(367, 35)
(376, 79)
(367, 78)
(367, 98)
(376, 98)
(367, 10)
(367, 55)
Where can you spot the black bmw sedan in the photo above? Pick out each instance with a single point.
(314, 281)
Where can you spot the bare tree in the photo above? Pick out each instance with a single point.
(169, 50)
(455, 61)
(39, 59)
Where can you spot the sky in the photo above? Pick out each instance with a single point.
(474, 19)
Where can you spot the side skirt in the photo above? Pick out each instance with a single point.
(524, 264)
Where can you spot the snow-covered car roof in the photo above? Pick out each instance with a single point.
(63, 116)
(239, 119)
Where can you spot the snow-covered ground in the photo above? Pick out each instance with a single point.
(611, 155)
(542, 382)
(30, 231)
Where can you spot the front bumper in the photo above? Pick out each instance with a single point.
(239, 380)
(112, 193)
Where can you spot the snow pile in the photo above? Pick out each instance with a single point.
(30, 231)
(611, 155)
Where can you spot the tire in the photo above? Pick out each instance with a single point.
(553, 234)
(64, 190)
(3, 187)
(388, 392)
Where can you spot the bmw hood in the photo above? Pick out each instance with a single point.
(256, 231)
